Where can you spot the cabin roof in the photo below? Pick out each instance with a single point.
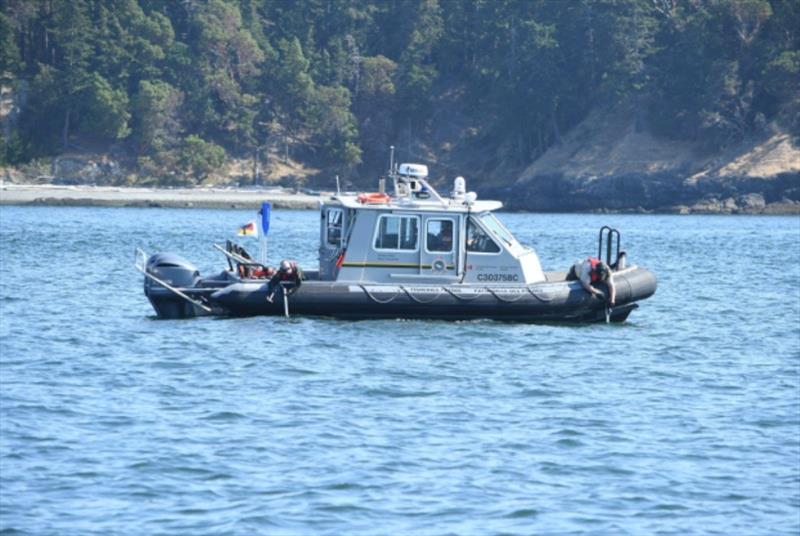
(417, 205)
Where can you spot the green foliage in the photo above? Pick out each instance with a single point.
(9, 51)
(104, 110)
(156, 123)
(330, 117)
(782, 75)
(187, 84)
(417, 72)
(198, 157)
(292, 74)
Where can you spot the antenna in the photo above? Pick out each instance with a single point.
(338, 190)
(391, 159)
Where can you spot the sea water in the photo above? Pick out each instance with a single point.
(683, 420)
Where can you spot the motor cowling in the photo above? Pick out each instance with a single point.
(172, 269)
(177, 272)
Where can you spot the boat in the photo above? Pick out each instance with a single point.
(411, 254)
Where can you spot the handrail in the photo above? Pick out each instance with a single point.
(610, 233)
(238, 258)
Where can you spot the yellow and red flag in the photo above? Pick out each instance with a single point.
(248, 229)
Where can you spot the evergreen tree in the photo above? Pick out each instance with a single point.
(343, 79)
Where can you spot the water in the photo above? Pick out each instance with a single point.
(684, 420)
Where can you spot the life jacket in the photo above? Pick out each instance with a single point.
(594, 263)
(255, 272)
(260, 273)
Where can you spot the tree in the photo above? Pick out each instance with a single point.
(199, 157)
(227, 62)
(335, 127)
(72, 50)
(295, 86)
(9, 51)
(156, 123)
(416, 69)
(103, 110)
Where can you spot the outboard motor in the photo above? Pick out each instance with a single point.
(176, 272)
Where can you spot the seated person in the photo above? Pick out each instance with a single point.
(255, 271)
(480, 242)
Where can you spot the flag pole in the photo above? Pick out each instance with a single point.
(264, 212)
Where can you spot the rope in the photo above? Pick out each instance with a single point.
(462, 298)
(376, 300)
(545, 300)
(438, 293)
(493, 293)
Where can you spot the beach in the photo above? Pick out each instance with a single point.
(111, 196)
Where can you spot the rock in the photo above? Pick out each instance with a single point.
(707, 206)
(752, 203)
(677, 209)
(83, 169)
(729, 205)
(784, 206)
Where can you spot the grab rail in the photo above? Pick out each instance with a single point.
(609, 237)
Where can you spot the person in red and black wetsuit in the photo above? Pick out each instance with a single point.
(287, 273)
(593, 271)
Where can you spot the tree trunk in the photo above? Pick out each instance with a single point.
(65, 131)
(556, 131)
(255, 167)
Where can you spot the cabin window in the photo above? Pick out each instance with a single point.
(334, 229)
(439, 236)
(397, 232)
(478, 241)
(498, 229)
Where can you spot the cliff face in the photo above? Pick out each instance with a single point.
(606, 162)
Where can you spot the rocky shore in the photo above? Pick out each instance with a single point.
(552, 198)
(611, 162)
(656, 193)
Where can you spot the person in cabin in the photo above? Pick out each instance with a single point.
(590, 272)
(288, 272)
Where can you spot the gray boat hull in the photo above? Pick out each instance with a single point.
(556, 300)
(549, 301)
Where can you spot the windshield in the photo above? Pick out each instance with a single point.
(496, 228)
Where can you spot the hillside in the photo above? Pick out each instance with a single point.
(590, 104)
(606, 162)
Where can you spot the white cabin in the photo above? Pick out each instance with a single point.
(418, 236)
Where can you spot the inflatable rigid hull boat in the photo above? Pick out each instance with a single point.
(414, 254)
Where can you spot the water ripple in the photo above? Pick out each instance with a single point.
(684, 420)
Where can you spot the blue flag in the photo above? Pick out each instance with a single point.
(265, 208)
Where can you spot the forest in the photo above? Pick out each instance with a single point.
(174, 89)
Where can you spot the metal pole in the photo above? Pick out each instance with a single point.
(173, 289)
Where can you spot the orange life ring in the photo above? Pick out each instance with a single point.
(374, 198)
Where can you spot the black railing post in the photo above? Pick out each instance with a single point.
(609, 237)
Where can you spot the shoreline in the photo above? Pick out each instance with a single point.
(251, 198)
(118, 196)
